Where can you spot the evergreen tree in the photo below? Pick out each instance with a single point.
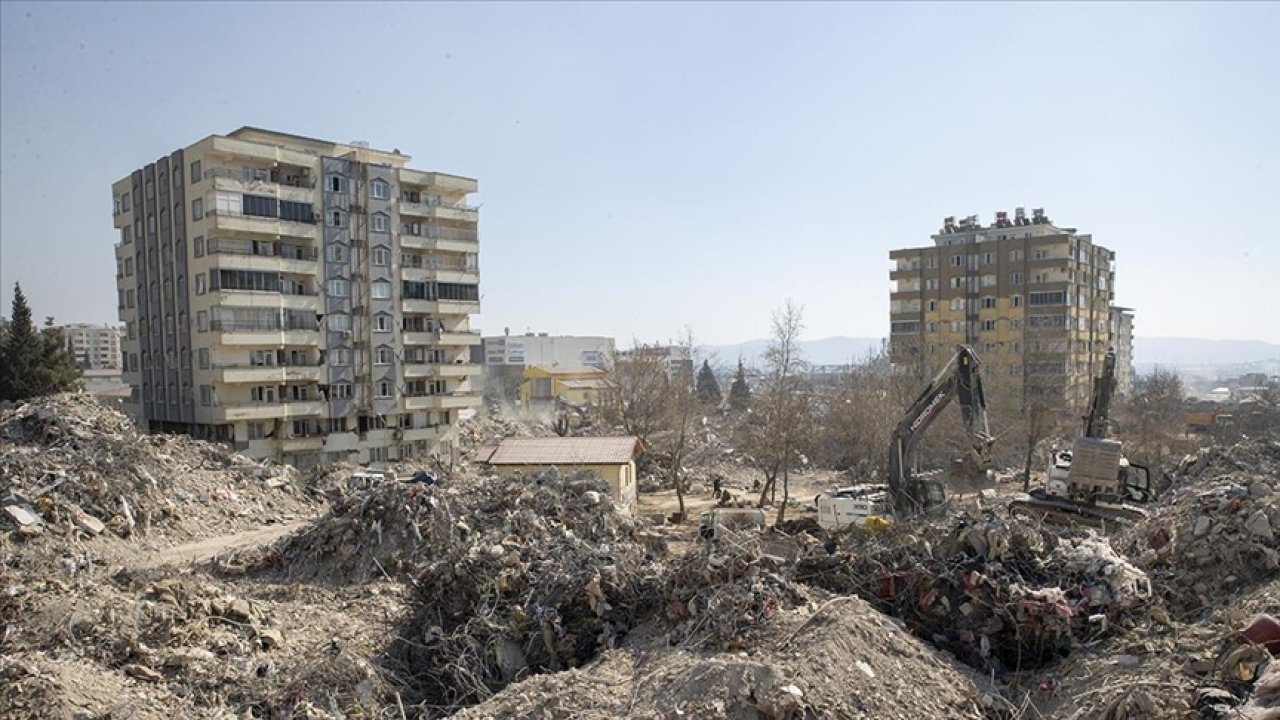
(33, 363)
(739, 393)
(708, 388)
(58, 371)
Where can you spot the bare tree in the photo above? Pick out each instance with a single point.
(781, 423)
(1152, 421)
(683, 403)
(857, 417)
(638, 393)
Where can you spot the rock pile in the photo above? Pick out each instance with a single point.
(70, 466)
(841, 659)
(1216, 532)
(1000, 594)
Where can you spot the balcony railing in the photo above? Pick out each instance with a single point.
(432, 232)
(275, 177)
(233, 246)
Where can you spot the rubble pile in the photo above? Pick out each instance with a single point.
(840, 659)
(1216, 532)
(513, 575)
(1000, 594)
(718, 594)
(70, 466)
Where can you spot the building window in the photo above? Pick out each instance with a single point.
(196, 175)
(339, 288)
(1015, 256)
(339, 357)
(202, 321)
(988, 303)
(262, 393)
(381, 290)
(335, 218)
(335, 253)
(957, 261)
(197, 246)
(1015, 278)
(202, 358)
(933, 305)
(988, 325)
(200, 284)
(384, 389)
(382, 323)
(339, 322)
(988, 258)
(381, 256)
(206, 395)
(380, 223)
(931, 284)
(1016, 301)
(129, 298)
(383, 356)
(988, 281)
(380, 189)
(228, 204)
(336, 183)
(341, 391)
(197, 208)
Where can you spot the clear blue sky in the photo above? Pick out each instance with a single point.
(644, 167)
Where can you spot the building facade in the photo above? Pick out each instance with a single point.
(94, 347)
(1032, 298)
(301, 299)
(1122, 332)
(547, 350)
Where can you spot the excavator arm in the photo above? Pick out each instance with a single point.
(959, 380)
(1098, 422)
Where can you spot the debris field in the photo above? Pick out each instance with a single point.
(159, 576)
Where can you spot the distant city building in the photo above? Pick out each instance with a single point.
(547, 350)
(1032, 298)
(1122, 334)
(674, 358)
(106, 384)
(94, 347)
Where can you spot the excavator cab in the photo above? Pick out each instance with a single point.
(1136, 482)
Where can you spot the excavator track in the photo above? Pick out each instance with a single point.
(1056, 511)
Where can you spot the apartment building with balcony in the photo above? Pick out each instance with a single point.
(301, 299)
(94, 347)
(1034, 299)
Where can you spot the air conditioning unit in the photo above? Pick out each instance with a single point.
(346, 334)
(316, 217)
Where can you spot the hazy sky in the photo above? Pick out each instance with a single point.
(644, 167)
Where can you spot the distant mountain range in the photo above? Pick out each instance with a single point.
(1148, 351)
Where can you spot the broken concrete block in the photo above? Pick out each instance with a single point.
(1259, 525)
(85, 521)
(142, 672)
(24, 515)
(270, 638)
(1202, 526)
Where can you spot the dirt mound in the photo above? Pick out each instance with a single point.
(70, 466)
(1216, 532)
(841, 659)
(1001, 594)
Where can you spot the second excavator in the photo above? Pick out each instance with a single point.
(1093, 483)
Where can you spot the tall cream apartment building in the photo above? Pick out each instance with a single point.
(301, 299)
(94, 347)
(1034, 299)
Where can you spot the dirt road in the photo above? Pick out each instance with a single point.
(202, 550)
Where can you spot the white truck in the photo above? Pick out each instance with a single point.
(853, 506)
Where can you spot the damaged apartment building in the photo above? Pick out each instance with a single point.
(303, 300)
(1034, 299)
